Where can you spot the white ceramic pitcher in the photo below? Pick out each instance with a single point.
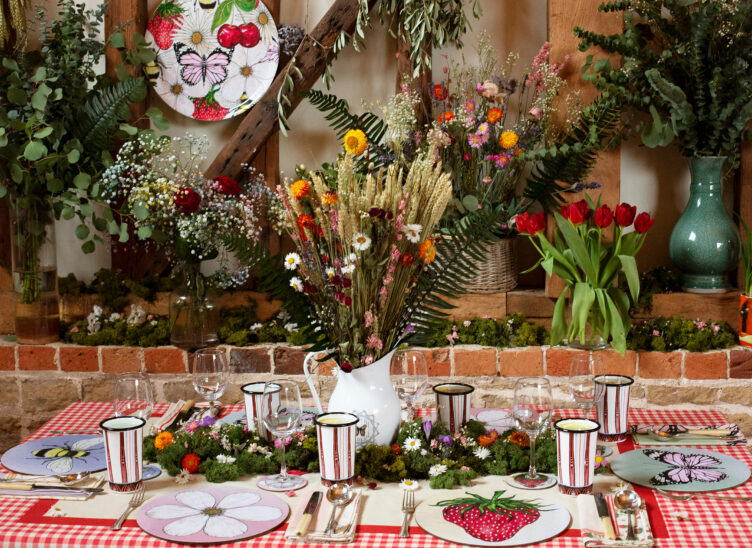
(368, 393)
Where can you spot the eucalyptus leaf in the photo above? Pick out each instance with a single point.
(117, 40)
(73, 156)
(82, 181)
(144, 232)
(82, 232)
(44, 132)
(67, 213)
(88, 247)
(34, 150)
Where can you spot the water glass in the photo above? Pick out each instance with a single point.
(281, 413)
(134, 395)
(583, 369)
(409, 376)
(210, 373)
(532, 411)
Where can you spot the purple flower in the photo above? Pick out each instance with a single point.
(427, 427)
(446, 440)
(409, 328)
(208, 421)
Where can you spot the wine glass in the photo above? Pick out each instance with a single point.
(409, 376)
(134, 395)
(281, 412)
(210, 374)
(582, 372)
(532, 411)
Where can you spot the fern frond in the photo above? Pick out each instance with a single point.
(337, 113)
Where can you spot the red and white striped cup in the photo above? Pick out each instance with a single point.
(336, 432)
(575, 453)
(453, 404)
(124, 443)
(253, 394)
(612, 405)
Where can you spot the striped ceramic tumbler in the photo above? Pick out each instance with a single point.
(575, 451)
(453, 404)
(123, 443)
(253, 394)
(336, 432)
(612, 404)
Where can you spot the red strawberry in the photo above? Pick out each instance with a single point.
(167, 18)
(491, 520)
(206, 108)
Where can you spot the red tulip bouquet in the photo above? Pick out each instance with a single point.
(589, 263)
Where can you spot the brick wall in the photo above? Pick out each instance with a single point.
(38, 381)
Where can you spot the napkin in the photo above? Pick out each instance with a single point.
(641, 437)
(157, 424)
(61, 494)
(591, 526)
(347, 520)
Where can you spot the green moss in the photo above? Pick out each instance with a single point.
(662, 335)
(120, 333)
(512, 331)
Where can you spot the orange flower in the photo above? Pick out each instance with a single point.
(162, 440)
(300, 189)
(446, 116)
(305, 220)
(494, 115)
(519, 438)
(484, 440)
(518, 151)
(330, 197)
(407, 259)
(427, 251)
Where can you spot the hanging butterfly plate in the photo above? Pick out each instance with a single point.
(215, 59)
(680, 469)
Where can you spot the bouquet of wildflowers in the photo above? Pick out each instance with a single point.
(362, 247)
(168, 199)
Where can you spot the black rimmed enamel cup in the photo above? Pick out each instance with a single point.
(576, 441)
(612, 406)
(336, 433)
(453, 403)
(123, 443)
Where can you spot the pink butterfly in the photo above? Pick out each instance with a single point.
(196, 68)
(685, 468)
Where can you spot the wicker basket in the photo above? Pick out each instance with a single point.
(498, 272)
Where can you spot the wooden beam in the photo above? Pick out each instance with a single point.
(262, 121)
(421, 84)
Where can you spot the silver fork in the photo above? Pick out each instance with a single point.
(136, 500)
(690, 497)
(408, 507)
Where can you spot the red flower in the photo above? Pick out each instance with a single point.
(225, 185)
(346, 282)
(186, 199)
(527, 224)
(346, 367)
(625, 214)
(347, 301)
(190, 462)
(577, 212)
(407, 259)
(439, 91)
(643, 222)
(604, 216)
(396, 449)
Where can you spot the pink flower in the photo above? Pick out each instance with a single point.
(374, 342)
(536, 113)
(656, 333)
(466, 323)
(716, 328)
(487, 180)
(479, 88)
(470, 106)
(701, 325)
(368, 360)
(434, 444)
(278, 442)
(74, 329)
(464, 468)
(467, 157)
(150, 317)
(368, 317)
(473, 139)
(290, 493)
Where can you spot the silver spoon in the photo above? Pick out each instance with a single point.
(66, 479)
(338, 494)
(630, 502)
(660, 435)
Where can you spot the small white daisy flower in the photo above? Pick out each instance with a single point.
(256, 327)
(361, 242)
(423, 452)
(183, 477)
(482, 452)
(437, 470)
(348, 269)
(409, 485)
(296, 283)
(411, 444)
(352, 257)
(292, 260)
(56, 512)
(291, 326)
(225, 459)
(330, 272)
(412, 232)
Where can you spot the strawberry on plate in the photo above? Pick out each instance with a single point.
(166, 20)
(207, 108)
(491, 520)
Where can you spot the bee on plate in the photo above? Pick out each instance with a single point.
(60, 458)
(152, 70)
(207, 4)
(243, 104)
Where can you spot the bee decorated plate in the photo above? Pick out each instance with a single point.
(215, 58)
(57, 455)
(484, 517)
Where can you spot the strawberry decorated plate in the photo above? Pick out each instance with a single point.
(483, 518)
(215, 58)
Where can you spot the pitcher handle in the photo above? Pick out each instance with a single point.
(309, 379)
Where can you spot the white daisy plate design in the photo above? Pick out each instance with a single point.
(214, 60)
(212, 514)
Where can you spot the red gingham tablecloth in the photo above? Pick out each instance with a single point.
(713, 523)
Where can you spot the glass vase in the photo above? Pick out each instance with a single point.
(34, 268)
(194, 311)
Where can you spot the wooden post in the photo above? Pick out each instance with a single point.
(563, 16)
(422, 83)
(744, 199)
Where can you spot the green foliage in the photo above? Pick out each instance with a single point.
(658, 280)
(121, 333)
(687, 65)
(341, 120)
(512, 331)
(663, 335)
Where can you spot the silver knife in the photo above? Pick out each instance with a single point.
(310, 510)
(602, 506)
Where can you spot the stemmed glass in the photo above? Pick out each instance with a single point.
(582, 372)
(532, 411)
(282, 411)
(134, 395)
(210, 374)
(409, 376)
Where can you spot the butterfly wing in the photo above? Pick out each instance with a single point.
(215, 66)
(705, 475)
(684, 468)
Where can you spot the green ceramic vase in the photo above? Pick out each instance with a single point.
(705, 241)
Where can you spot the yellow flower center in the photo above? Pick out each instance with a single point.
(212, 511)
(352, 142)
(176, 89)
(196, 37)
(263, 19)
(246, 71)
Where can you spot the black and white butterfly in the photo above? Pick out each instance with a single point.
(198, 69)
(685, 468)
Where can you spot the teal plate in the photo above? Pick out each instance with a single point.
(680, 469)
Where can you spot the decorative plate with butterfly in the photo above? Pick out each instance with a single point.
(215, 59)
(680, 469)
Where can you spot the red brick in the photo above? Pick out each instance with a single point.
(79, 358)
(472, 363)
(616, 364)
(7, 358)
(250, 360)
(289, 361)
(558, 360)
(660, 365)
(741, 364)
(438, 362)
(521, 362)
(705, 365)
(164, 360)
(36, 358)
(120, 359)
